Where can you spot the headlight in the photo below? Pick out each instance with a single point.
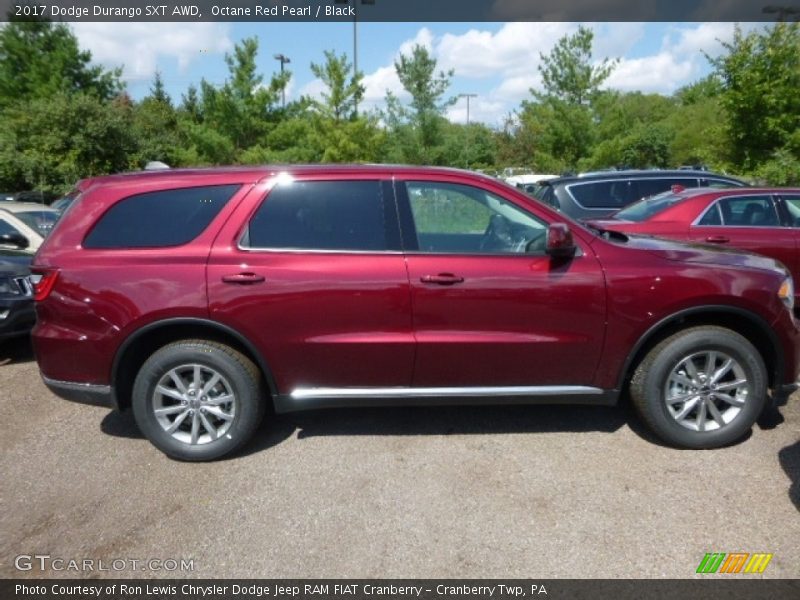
(786, 293)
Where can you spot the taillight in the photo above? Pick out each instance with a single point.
(43, 281)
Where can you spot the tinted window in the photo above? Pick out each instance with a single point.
(159, 219)
(321, 215)
(720, 183)
(451, 218)
(650, 187)
(649, 207)
(546, 194)
(6, 227)
(603, 194)
(712, 216)
(793, 206)
(748, 211)
(41, 221)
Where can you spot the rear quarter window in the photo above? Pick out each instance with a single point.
(159, 219)
(603, 194)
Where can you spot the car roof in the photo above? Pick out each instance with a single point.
(748, 191)
(637, 174)
(15, 207)
(255, 173)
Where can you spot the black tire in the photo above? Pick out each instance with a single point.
(661, 368)
(239, 378)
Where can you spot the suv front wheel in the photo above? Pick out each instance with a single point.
(703, 387)
(198, 400)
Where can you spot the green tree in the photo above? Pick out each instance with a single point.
(567, 71)
(50, 143)
(760, 77)
(243, 109)
(561, 118)
(155, 124)
(343, 90)
(190, 104)
(158, 92)
(41, 59)
(417, 127)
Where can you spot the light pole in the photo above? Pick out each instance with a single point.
(468, 96)
(355, 35)
(284, 59)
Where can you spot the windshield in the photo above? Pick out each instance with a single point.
(40, 220)
(648, 207)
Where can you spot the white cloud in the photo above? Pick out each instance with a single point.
(481, 110)
(512, 50)
(661, 73)
(138, 47)
(423, 38)
(313, 89)
(378, 82)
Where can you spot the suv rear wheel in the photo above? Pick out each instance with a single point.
(198, 400)
(703, 387)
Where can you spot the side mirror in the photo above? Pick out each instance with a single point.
(14, 238)
(560, 243)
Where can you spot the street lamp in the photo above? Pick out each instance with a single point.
(355, 35)
(468, 96)
(284, 59)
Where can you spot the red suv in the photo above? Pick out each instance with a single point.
(195, 297)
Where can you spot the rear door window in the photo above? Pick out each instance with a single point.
(326, 215)
(159, 219)
(747, 211)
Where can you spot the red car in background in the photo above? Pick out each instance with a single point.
(762, 220)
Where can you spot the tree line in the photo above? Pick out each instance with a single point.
(64, 118)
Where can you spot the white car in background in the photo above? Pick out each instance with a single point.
(527, 182)
(25, 224)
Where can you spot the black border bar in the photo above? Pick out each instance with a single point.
(403, 10)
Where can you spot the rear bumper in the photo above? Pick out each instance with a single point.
(84, 393)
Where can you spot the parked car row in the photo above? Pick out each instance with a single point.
(16, 294)
(762, 220)
(195, 297)
(23, 227)
(598, 194)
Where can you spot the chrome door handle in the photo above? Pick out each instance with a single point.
(442, 279)
(243, 278)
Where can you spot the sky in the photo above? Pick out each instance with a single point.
(496, 61)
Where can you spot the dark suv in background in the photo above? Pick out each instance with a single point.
(195, 297)
(596, 195)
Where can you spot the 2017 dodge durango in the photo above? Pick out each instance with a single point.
(197, 297)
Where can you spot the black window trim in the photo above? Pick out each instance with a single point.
(390, 214)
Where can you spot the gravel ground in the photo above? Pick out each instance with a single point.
(425, 492)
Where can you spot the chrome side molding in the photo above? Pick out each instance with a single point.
(450, 392)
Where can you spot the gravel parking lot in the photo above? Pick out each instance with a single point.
(439, 492)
